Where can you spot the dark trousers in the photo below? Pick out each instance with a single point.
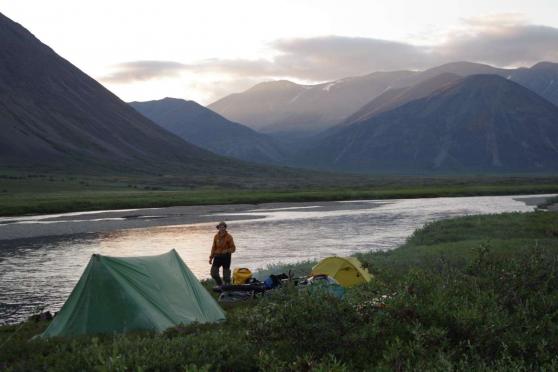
(218, 261)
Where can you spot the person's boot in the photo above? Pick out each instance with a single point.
(227, 276)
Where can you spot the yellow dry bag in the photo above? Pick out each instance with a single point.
(241, 275)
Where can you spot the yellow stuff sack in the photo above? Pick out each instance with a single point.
(241, 275)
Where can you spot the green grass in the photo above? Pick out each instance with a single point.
(40, 193)
(472, 293)
(457, 242)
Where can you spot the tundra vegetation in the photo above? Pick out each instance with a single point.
(471, 293)
(36, 193)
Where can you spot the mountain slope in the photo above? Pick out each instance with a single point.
(207, 129)
(286, 107)
(461, 68)
(397, 97)
(283, 106)
(53, 115)
(480, 123)
(541, 78)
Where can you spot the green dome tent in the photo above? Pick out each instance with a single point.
(122, 294)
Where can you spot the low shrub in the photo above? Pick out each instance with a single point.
(436, 304)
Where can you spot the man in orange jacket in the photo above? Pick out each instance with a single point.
(223, 248)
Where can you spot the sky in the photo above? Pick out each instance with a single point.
(204, 50)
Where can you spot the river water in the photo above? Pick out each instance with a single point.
(40, 272)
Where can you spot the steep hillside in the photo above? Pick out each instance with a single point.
(482, 123)
(286, 107)
(209, 130)
(542, 78)
(53, 116)
(397, 97)
(461, 68)
(283, 107)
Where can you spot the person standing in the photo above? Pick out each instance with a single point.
(221, 251)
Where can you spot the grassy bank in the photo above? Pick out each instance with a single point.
(472, 293)
(56, 194)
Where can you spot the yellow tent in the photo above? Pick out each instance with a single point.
(348, 271)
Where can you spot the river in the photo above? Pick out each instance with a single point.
(42, 257)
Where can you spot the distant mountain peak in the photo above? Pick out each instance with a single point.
(479, 123)
(462, 64)
(275, 84)
(288, 109)
(486, 77)
(54, 115)
(165, 99)
(545, 65)
(392, 98)
(207, 129)
(173, 99)
(284, 108)
(487, 83)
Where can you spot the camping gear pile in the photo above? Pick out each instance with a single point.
(154, 293)
(333, 274)
(246, 287)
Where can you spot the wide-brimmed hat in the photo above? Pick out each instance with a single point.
(222, 223)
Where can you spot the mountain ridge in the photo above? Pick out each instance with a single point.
(314, 108)
(54, 116)
(479, 123)
(209, 130)
(289, 107)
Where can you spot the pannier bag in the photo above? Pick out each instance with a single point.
(241, 275)
(274, 281)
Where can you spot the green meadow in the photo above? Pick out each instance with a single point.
(56, 193)
(471, 293)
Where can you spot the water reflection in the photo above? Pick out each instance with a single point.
(43, 271)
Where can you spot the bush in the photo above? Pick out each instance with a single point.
(293, 323)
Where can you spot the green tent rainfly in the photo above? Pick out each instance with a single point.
(122, 294)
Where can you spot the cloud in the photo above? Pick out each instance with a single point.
(501, 40)
(321, 58)
(493, 21)
(332, 57)
(504, 40)
(236, 67)
(143, 70)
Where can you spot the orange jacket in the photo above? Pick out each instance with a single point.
(222, 245)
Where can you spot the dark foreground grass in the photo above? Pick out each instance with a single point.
(58, 197)
(472, 293)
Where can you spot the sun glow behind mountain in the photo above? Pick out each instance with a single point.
(205, 50)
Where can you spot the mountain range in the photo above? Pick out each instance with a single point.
(392, 98)
(54, 115)
(209, 130)
(281, 107)
(458, 117)
(480, 123)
